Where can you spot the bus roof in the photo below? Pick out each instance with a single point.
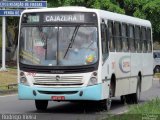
(101, 13)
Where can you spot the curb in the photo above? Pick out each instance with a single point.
(5, 92)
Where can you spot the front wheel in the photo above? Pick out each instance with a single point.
(106, 104)
(41, 104)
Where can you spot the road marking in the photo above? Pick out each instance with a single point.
(8, 95)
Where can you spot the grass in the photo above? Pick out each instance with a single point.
(151, 107)
(146, 111)
(8, 77)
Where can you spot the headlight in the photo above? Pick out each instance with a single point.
(24, 81)
(92, 81)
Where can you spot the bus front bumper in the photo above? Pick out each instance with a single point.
(42, 93)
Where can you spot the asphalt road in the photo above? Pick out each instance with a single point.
(66, 110)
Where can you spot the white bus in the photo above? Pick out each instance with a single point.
(81, 54)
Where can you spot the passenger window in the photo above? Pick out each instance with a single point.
(144, 40)
(111, 38)
(117, 36)
(149, 40)
(137, 39)
(104, 40)
(131, 38)
(124, 38)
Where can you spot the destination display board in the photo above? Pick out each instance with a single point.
(60, 17)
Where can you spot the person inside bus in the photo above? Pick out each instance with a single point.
(38, 44)
(84, 49)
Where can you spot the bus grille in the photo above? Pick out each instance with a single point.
(58, 80)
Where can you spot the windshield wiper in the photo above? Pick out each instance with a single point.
(72, 40)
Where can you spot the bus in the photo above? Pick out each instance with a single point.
(82, 54)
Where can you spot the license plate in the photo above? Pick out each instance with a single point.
(58, 98)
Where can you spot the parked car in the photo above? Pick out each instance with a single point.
(156, 56)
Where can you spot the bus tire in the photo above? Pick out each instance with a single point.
(106, 104)
(136, 96)
(128, 98)
(123, 99)
(113, 85)
(41, 104)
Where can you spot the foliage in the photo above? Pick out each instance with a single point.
(151, 107)
(147, 111)
(145, 9)
(8, 77)
(152, 12)
(100, 4)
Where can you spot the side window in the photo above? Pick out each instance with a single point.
(138, 39)
(104, 40)
(144, 40)
(149, 42)
(131, 38)
(124, 38)
(117, 36)
(111, 38)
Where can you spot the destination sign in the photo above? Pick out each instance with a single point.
(59, 17)
(23, 4)
(64, 18)
(70, 17)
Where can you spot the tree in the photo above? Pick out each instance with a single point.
(152, 13)
(101, 4)
(12, 35)
(145, 9)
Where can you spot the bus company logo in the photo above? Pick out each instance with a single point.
(58, 78)
(124, 64)
(57, 71)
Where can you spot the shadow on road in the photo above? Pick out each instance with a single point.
(79, 111)
(81, 108)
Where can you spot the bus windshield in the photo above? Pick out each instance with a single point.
(74, 45)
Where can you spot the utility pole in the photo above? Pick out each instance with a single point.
(3, 68)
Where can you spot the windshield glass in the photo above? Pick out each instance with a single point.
(59, 46)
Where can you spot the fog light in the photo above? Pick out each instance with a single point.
(34, 93)
(81, 93)
(24, 81)
(92, 81)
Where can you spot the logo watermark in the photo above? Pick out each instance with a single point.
(149, 117)
(18, 117)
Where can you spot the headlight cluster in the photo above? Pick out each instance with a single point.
(23, 79)
(93, 80)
